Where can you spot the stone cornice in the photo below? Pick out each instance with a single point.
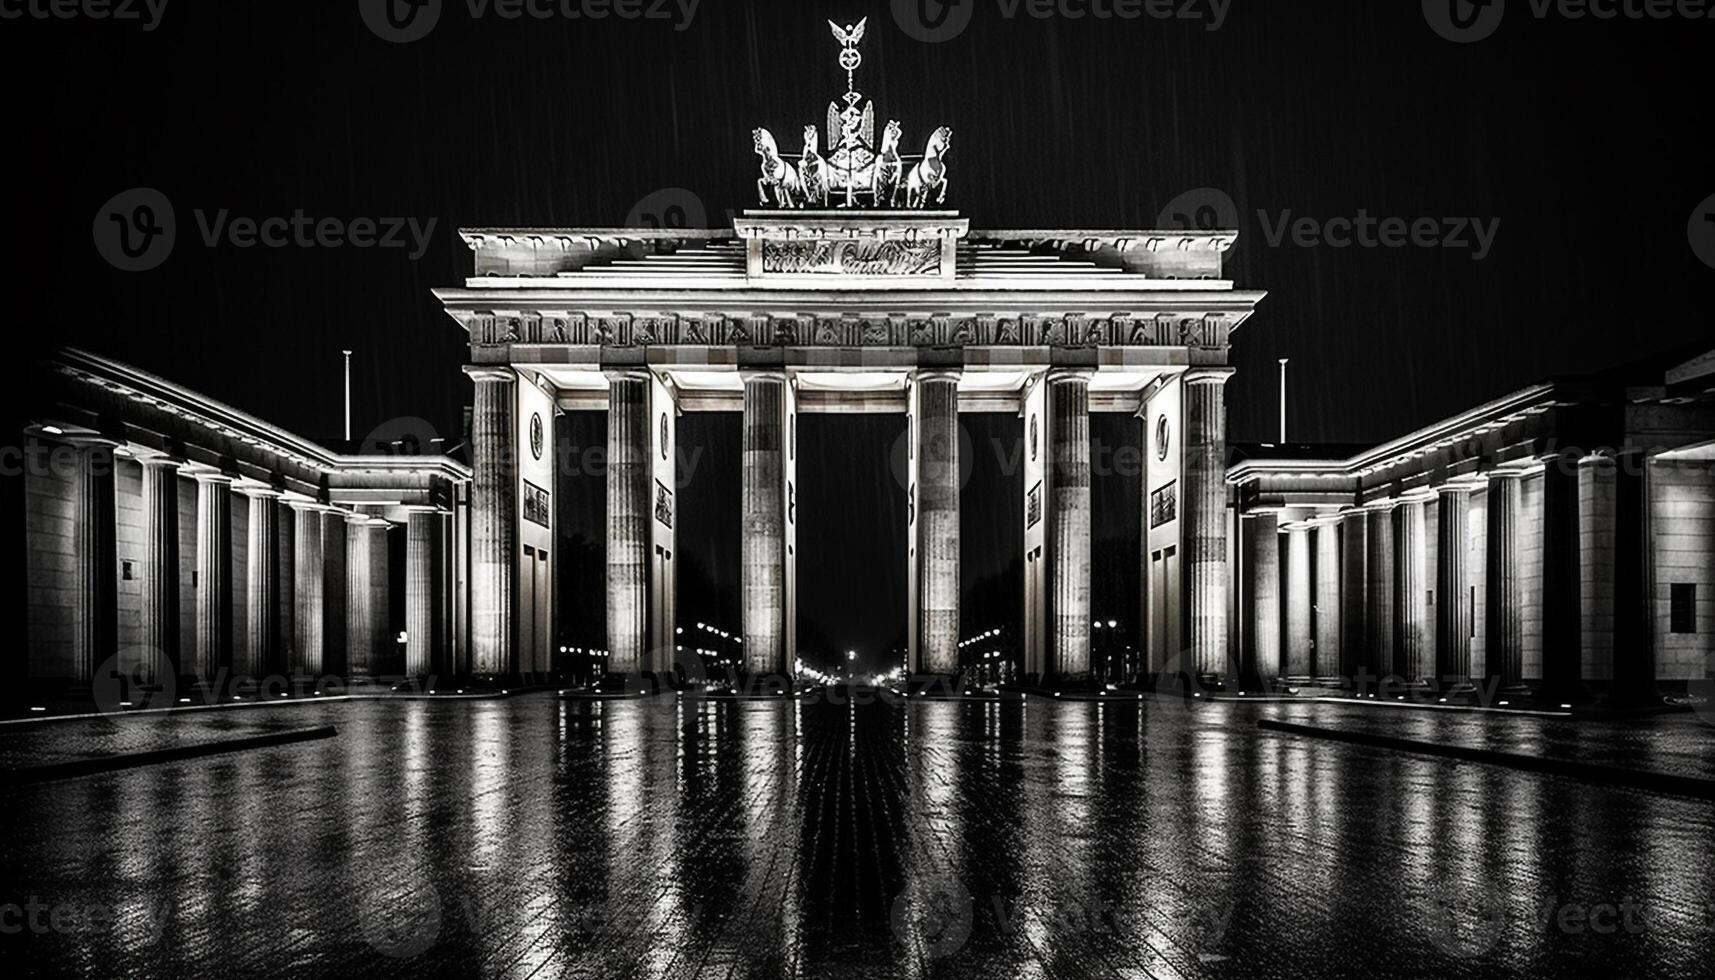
(1199, 326)
(197, 414)
(1445, 434)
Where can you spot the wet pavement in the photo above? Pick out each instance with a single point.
(541, 838)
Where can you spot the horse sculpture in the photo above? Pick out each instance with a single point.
(889, 168)
(776, 173)
(930, 177)
(813, 170)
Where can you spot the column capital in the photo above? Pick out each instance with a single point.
(491, 373)
(936, 374)
(1207, 375)
(1067, 375)
(158, 461)
(748, 375)
(208, 474)
(626, 374)
(1455, 487)
(259, 491)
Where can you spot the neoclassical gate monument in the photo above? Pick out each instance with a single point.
(849, 291)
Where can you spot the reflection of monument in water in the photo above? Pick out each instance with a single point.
(849, 291)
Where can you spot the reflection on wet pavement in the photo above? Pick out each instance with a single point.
(534, 837)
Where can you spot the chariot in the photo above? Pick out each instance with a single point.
(857, 170)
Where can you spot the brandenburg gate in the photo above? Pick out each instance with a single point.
(851, 288)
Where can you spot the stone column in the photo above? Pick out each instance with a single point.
(1453, 586)
(1411, 592)
(1299, 596)
(308, 592)
(161, 560)
(937, 449)
(1379, 607)
(423, 591)
(336, 643)
(628, 520)
(1354, 591)
(97, 582)
(1328, 600)
(1205, 529)
(1505, 627)
(1597, 555)
(1260, 534)
(1069, 523)
(361, 640)
(286, 592)
(494, 522)
(262, 593)
(763, 573)
(214, 575)
(1562, 605)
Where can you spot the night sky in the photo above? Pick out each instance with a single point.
(1587, 139)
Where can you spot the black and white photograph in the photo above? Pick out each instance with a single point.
(845, 489)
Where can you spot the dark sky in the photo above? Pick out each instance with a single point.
(1587, 139)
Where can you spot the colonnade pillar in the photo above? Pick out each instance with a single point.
(763, 572)
(1300, 592)
(628, 518)
(424, 591)
(1069, 523)
(262, 587)
(309, 590)
(366, 586)
(1412, 629)
(1259, 536)
(214, 575)
(1505, 629)
(1205, 517)
(935, 426)
(1453, 610)
(97, 580)
(1329, 608)
(1354, 593)
(1379, 606)
(494, 522)
(160, 618)
(1561, 557)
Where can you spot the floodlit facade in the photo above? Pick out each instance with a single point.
(161, 533)
(1559, 541)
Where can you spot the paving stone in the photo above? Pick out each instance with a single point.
(537, 838)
